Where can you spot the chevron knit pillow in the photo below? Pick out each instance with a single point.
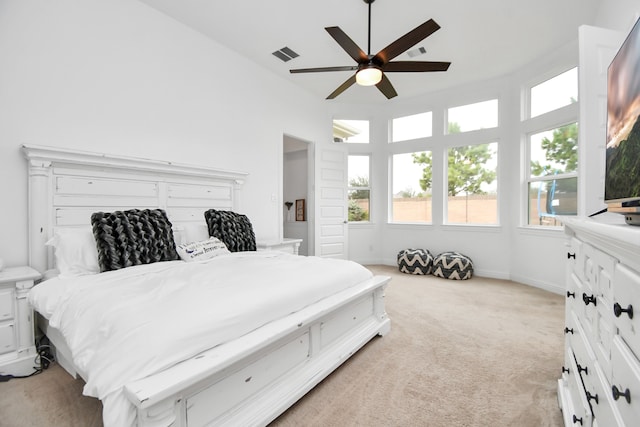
(233, 229)
(133, 237)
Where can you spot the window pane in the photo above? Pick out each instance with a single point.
(555, 93)
(359, 189)
(472, 184)
(411, 201)
(411, 127)
(358, 205)
(482, 115)
(554, 151)
(352, 131)
(548, 199)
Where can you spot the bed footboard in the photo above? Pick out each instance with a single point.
(252, 380)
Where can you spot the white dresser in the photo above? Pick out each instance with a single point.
(600, 383)
(17, 347)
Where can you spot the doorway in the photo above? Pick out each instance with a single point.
(297, 191)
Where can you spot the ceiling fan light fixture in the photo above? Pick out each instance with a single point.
(369, 76)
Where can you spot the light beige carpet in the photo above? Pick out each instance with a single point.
(480, 352)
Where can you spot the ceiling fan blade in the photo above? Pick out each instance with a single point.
(415, 66)
(405, 42)
(386, 87)
(347, 44)
(323, 69)
(344, 86)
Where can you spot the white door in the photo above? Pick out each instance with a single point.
(597, 47)
(331, 239)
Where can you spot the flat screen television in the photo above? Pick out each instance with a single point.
(622, 177)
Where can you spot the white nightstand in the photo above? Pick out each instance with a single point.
(17, 342)
(289, 246)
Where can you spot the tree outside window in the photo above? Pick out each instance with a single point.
(359, 188)
(471, 179)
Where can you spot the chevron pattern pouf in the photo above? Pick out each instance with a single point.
(453, 265)
(415, 261)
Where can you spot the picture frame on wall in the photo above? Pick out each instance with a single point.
(300, 210)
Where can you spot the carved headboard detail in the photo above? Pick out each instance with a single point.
(67, 186)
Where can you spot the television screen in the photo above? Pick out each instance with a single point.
(622, 179)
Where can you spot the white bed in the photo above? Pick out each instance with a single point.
(279, 353)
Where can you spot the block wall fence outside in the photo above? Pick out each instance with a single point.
(477, 209)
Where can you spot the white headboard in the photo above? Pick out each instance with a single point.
(67, 186)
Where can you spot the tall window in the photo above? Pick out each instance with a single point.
(411, 200)
(465, 118)
(553, 174)
(472, 196)
(555, 93)
(411, 127)
(351, 131)
(359, 188)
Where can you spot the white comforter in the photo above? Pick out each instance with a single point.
(127, 324)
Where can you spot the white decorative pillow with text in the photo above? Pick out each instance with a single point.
(202, 250)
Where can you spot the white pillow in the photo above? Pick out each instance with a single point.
(195, 233)
(75, 251)
(202, 250)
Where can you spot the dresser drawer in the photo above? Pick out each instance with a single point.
(626, 306)
(598, 392)
(6, 304)
(625, 387)
(581, 349)
(581, 409)
(576, 258)
(598, 271)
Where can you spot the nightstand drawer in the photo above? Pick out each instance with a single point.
(6, 304)
(7, 338)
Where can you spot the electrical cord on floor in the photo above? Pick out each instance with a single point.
(44, 358)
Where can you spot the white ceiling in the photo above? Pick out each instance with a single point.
(482, 39)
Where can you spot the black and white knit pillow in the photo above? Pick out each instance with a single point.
(132, 237)
(233, 229)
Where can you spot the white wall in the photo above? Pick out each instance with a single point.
(119, 77)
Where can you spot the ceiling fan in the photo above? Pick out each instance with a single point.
(371, 69)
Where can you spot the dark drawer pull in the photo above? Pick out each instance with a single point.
(588, 299)
(585, 369)
(568, 330)
(618, 310)
(571, 294)
(592, 396)
(570, 255)
(565, 370)
(616, 394)
(577, 420)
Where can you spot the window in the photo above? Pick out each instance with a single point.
(555, 93)
(472, 184)
(411, 200)
(481, 115)
(359, 188)
(351, 131)
(553, 181)
(411, 127)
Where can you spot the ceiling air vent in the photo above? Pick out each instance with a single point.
(417, 52)
(285, 54)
